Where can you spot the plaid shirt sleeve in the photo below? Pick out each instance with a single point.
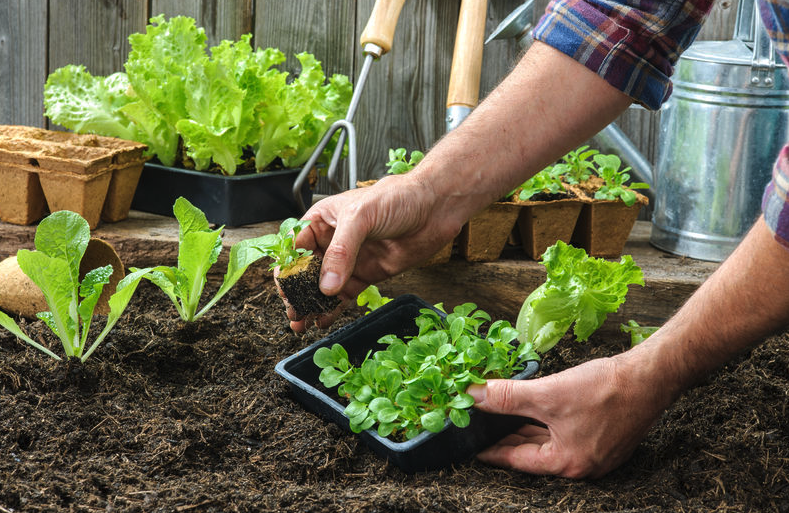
(775, 202)
(632, 44)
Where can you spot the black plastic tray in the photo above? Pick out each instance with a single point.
(427, 451)
(229, 200)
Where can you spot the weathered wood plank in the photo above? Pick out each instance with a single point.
(94, 33)
(404, 101)
(221, 19)
(23, 37)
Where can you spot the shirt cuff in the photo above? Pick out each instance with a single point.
(633, 48)
(774, 202)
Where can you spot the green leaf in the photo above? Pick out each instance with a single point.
(9, 324)
(64, 235)
(433, 421)
(462, 401)
(460, 418)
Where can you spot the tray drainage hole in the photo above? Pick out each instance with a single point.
(33, 162)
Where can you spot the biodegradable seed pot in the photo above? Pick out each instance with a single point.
(299, 284)
(547, 218)
(484, 236)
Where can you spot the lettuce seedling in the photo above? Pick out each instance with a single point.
(61, 240)
(372, 298)
(198, 249)
(637, 332)
(579, 290)
(281, 247)
(398, 164)
(546, 181)
(615, 180)
(411, 387)
(575, 166)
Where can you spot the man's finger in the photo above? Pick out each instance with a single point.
(511, 397)
(529, 457)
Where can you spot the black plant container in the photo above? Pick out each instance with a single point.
(229, 200)
(427, 451)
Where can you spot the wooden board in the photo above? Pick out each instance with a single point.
(498, 287)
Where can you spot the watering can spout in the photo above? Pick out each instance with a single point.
(517, 25)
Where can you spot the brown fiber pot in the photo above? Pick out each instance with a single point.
(484, 236)
(20, 296)
(542, 223)
(83, 194)
(604, 226)
(120, 191)
(21, 197)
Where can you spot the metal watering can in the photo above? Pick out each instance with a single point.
(720, 132)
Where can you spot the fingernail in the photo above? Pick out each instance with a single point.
(330, 282)
(478, 392)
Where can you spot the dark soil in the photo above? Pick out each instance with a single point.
(302, 290)
(173, 417)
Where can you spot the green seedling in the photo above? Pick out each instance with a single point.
(61, 240)
(398, 163)
(575, 166)
(615, 180)
(548, 181)
(416, 385)
(372, 298)
(637, 332)
(281, 247)
(198, 250)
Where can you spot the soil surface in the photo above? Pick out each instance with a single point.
(167, 416)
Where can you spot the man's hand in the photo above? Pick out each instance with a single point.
(596, 414)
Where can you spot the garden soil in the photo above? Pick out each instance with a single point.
(168, 416)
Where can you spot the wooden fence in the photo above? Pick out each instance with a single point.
(403, 103)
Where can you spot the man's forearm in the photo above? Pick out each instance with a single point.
(548, 105)
(743, 302)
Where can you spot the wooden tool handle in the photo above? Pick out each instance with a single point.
(467, 57)
(380, 27)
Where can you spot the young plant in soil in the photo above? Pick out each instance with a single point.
(414, 386)
(615, 180)
(637, 332)
(546, 183)
(61, 240)
(371, 298)
(299, 269)
(398, 163)
(575, 166)
(198, 249)
(579, 290)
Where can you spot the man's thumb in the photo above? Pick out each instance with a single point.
(506, 396)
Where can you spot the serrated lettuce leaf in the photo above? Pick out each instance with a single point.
(579, 290)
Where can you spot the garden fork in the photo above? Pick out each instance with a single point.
(376, 40)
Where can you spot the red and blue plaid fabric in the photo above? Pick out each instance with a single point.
(634, 44)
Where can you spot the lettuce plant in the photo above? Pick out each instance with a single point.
(548, 181)
(637, 332)
(198, 250)
(615, 180)
(398, 163)
(221, 104)
(281, 247)
(61, 240)
(579, 291)
(372, 298)
(575, 166)
(413, 386)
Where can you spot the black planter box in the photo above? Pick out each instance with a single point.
(228, 200)
(427, 451)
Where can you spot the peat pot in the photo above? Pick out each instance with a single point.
(426, 451)
(720, 132)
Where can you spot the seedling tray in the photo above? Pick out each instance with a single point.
(229, 200)
(427, 451)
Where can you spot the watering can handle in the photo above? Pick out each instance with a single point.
(763, 63)
(381, 26)
(466, 70)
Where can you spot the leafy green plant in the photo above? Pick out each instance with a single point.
(548, 181)
(221, 104)
(579, 290)
(615, 185)
(281, 246)
(575, 166)
(398, 163)
(198, 250)
(61, 240)
(415, 386)
(637, 332)
(372, 298)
